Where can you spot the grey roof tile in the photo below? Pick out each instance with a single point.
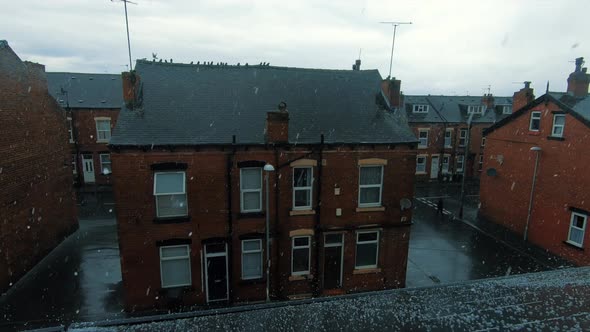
(196, 104)
(86, 90)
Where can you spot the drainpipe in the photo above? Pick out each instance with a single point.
(528, 217)
(276, 222)
(316, 278)
(465, 160)
(230, 162)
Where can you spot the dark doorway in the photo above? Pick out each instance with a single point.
(217, 282)
(333, 261)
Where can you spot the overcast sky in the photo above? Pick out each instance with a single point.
(452, 47)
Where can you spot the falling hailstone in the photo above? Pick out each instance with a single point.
(190, 234)
(110, 210)
(76, 273)
(77, 311)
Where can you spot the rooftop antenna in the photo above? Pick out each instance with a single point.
(127, 25)
(488, 89)
(394, 25)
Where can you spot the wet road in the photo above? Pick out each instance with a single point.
(79, 281)
(443, 251)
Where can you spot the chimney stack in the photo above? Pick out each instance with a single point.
(392, 90)
(357, 65)
(277, 125)
(488, 100)
(522, 97)
(130, 88)
(577, 82)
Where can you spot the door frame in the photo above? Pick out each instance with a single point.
(91, 159)
(212, 255)
(438, 161)
(331, 245)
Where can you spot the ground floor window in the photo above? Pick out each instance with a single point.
(577, 229)
(251, 259)
(367, 249)
(300, 255)
(421, 164)
(175, 266)
(459, 163)
(445, 164)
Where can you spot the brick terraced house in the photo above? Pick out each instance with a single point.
(92, 103)
(440, 123)
(37, 209)
(536, 182)
(188, 157)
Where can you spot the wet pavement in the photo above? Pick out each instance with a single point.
(80, 280)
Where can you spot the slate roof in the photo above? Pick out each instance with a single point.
(453, 109)
(196, 104)
(545, 301)
(86, 90)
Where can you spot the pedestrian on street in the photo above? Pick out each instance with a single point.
(439, 207)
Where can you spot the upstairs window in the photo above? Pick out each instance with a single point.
(302, 187)
(423, 137)
(367, 249)
(300, 255)
(170, 193)
(558, 125)
(535, 123)
(449, 138)
(506, 109)
(577, 229)
(419, 108)
(370, 186)
(251, 259)
(462, 137)
(475, 109)
(70, 130)
(103, 130)
(251, 189)
(175, 266)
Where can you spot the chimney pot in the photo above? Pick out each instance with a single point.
(579, 80)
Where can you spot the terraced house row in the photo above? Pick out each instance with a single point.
(202, 155)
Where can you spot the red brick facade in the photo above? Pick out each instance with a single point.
(561, 185)
(213, 181)
(37, 207)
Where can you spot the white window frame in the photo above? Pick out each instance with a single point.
(420, 145)
(506, 109)
(74, 163)
(457, 158)
(483, 141)
(187, 257)
(475, 109)
(306, 188)
(480, 164)
(168, 194)
(380, 186)
(420, 108)
(449, 131)
(102, 140)
(536, 115)
(446, 166)
(244, 251)
(424, 164)
(376, 241)
(71, 129)
(103, 163)
(242, 191)
(308, 247)
(555, 125)
(583, 229)
(462, 136)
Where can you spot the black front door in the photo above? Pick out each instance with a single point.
(332, 261)
(216, 274)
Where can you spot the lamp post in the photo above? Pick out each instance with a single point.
(528, 217)
(267, 169)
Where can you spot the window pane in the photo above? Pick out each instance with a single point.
(370, 195)
(301, 177)
(576, 235)
(301, 241)
(174, 251)
(423, 134)
(371, 175)
(559, 120)
(366, 254)
(171, 205)
(557, 131)
(251, 200)
(103, 125)
(169, 183)
(176, 272)
(251, 178)
(300, 260)
(105, 158)
(578, 221)
(302, 197)
(333, 238)
(367, 236)
(252, 244)
(215, 247)
(252, 265)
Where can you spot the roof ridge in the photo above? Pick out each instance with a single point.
(77, 73)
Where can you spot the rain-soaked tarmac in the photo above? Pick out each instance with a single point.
(81, 279)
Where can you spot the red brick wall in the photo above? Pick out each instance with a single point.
(208, 209)
(37, 207)
(562, 181)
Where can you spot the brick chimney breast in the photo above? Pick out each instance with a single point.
(392, 90)
(578, 81)
(522, 97)
(130, 82)
(277, 125)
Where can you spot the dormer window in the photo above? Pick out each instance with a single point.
(506, 109)
(420, 108)
(475, 109)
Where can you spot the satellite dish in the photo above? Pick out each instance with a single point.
(491, 172)
(405, 203)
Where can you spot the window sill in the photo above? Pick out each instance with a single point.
(574, 245)
(534, 133)
(421, 173)
(370, 209)
(102, 141)
(300, 277)
(301, 212)
(422, 147)
(555, 138)
(246, 215)
(366, 271)
(253, 281)
(172, 220)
